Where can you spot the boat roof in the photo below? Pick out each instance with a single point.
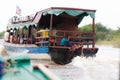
(70, 11)
(79, 13)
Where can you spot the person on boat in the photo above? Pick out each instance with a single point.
(6, 36)
(65, 42)
(33, 39)
(52, 41)
(21, 38)
(18, 38)
(11, 37)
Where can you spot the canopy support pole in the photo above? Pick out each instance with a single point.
(93, 30)
(51, 21)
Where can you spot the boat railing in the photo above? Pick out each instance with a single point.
(75, 37)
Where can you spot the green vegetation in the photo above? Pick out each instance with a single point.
(2, 34)
(104, 35)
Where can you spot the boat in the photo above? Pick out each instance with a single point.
(41, 33)
(20, 67)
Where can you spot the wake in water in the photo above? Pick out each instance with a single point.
(105, 66)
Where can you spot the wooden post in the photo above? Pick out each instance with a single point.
(93, 30)
(31, 34)
(93, 25)
(51, 21)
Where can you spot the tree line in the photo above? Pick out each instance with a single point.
(103, 34)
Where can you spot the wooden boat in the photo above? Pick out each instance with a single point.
(42, 32)
(26, 48)
(19, 67)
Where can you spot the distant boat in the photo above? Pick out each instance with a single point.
(41, 33)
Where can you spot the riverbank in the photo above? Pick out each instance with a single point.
(114, 43)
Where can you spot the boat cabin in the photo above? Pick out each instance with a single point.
(52, 23)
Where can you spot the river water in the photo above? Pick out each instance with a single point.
(105, 66)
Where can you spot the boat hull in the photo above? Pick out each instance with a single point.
(20, 68)
(27, 49)
(64, 55)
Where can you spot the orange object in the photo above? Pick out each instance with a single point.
(38, 39)
(52, 40)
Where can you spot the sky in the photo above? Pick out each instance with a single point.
(107, 11)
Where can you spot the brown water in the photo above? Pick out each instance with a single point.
(105, 66)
